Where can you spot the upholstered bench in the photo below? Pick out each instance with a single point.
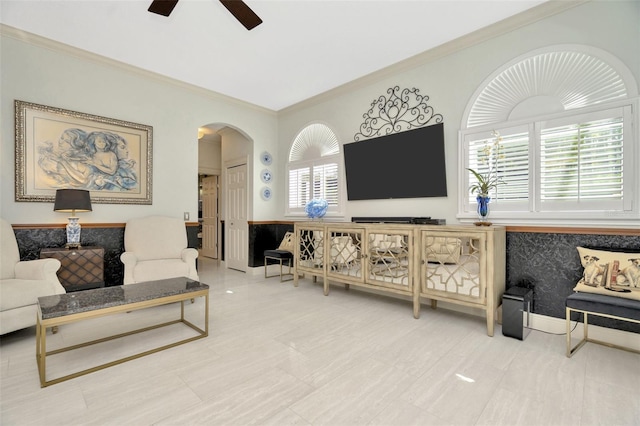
(600, 305)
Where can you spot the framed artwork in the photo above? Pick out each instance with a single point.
(61, 149)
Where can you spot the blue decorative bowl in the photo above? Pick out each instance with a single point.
(316, 208)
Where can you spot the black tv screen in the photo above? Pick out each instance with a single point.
(409, 164)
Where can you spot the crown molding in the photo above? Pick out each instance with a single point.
(537, 13)
(43, 42)
(512, 23)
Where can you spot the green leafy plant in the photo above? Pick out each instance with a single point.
(489, 179)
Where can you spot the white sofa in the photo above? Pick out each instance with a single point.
(21, 283)
(156, 248)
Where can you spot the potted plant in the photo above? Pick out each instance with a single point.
(487, 181)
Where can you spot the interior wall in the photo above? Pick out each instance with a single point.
(37, 70)
(210, 155)
(41, 71)
(450, 81)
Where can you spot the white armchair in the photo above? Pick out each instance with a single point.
(21, 283)
(156, 248)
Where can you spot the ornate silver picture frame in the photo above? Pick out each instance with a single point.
(61, 149)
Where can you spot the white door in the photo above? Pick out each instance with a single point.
(237, 253)
(210, 217)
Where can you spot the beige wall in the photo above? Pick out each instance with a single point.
(451, 75)
(210, 155)
(43, 72)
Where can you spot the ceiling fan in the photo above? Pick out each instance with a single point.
(238, 8)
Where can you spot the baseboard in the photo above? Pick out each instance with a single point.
(609, 335)
(555, 325)
(558, 326)
(256, 271)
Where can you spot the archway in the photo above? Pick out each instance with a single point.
(224, 228)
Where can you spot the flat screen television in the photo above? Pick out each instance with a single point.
(409, 164)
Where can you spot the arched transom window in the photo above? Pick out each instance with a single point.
(314, 169)
(565, 119)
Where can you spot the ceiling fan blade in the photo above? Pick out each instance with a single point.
(162, 7)
(243, 13)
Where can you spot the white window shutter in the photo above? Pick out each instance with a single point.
(512, 166)
(582, 163)
(299, 187)
(325, 183)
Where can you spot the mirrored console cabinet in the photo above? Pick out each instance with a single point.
(458, 264)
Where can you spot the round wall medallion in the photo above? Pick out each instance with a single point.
(266, 193)
(266, 158)
(266, 176)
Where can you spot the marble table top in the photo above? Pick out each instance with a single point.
(90, 300)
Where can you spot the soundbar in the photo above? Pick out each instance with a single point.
(428, 221)
(399, 219)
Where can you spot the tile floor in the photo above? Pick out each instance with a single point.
(279, 355)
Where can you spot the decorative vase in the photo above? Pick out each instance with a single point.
(73, 232)
(316, 209)
(483, 208)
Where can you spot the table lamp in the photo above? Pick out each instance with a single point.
(72, 200)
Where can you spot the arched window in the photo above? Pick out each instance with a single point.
(314, 169)
(565, 118)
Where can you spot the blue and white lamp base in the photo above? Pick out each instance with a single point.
(73, 233)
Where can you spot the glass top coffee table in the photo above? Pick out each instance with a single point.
(61, 309)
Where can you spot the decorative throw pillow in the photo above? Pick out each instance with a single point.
(287, 242)
(610, 272)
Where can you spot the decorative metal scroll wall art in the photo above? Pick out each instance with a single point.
(397, 112)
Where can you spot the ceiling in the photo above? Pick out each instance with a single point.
(302, 49)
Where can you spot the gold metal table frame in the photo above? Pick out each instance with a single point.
(43, 324)
(571, 350)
